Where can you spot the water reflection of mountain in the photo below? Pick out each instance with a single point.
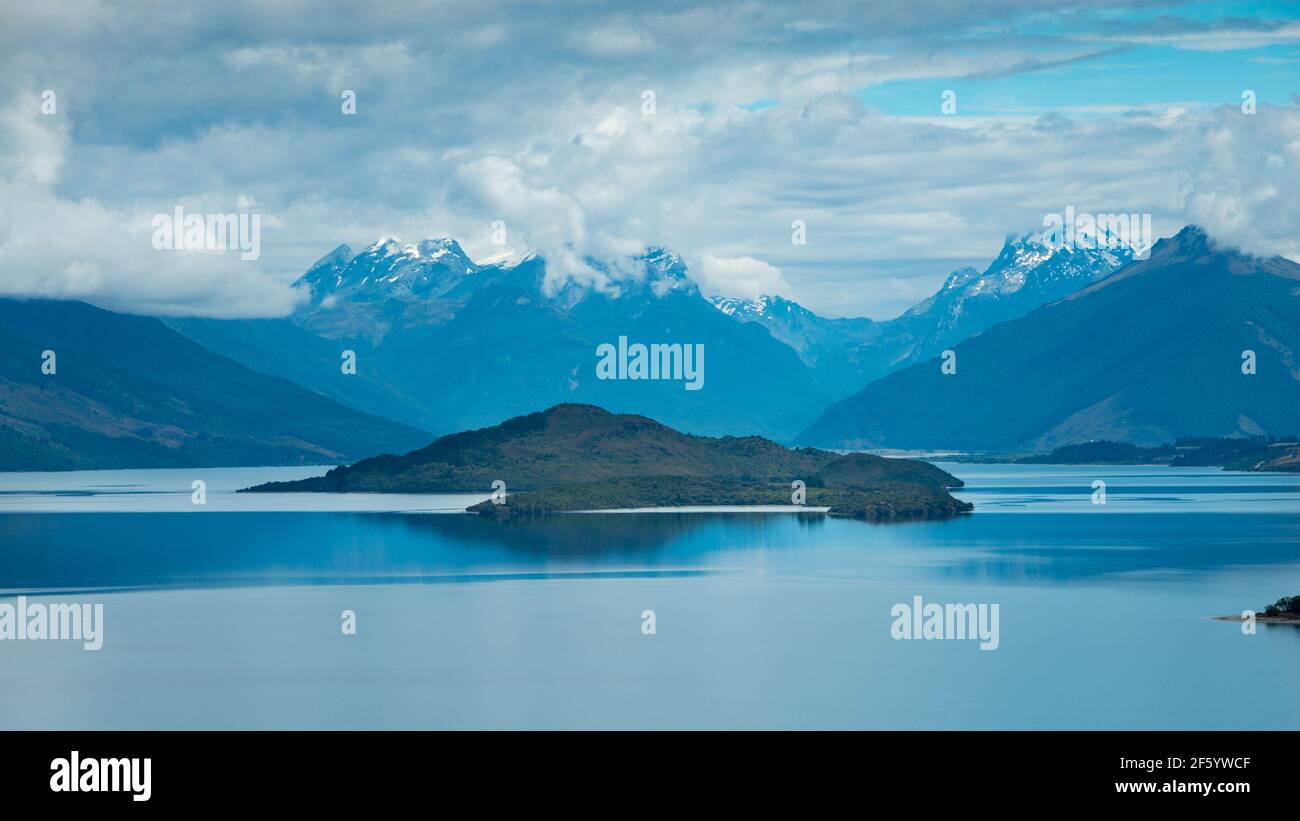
(104, 550)
(609, 536)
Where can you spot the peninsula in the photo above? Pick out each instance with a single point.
(1285, 610)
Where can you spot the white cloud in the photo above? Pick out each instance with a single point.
(1219, 38)
(57, 246)
(472, 112)
(60, 249)
(612, 41)
(1242, 178)
(738, 276)
(32, 143)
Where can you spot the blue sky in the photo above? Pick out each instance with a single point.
(1127, 76)
(470, 113)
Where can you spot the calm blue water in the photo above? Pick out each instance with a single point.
(228, 615)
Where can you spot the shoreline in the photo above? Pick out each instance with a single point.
(710, 509)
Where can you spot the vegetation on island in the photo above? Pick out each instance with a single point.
(1256, 453)
(581, 457)
(1285, 610)
(1287, 607)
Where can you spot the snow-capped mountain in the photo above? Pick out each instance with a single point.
(849, 353)
(387, 269)
(1148, 355)
(1026, 273)
(664, 266)
(812, 336)
(386, 285)
(444, 342)
(746, 309)
(448, 343)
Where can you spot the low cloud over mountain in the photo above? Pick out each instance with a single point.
(824, 113)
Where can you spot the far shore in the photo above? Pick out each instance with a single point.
(1259, 617)
(712, 509)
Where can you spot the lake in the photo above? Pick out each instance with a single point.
(229, 614)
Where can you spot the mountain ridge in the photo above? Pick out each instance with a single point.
(1148, 355)
(128, 391)
(446, 343)
(849, 353)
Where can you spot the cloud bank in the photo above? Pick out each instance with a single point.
(470, 117)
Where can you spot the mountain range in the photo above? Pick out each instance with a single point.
(1053, 346)
(1155, 352)
(846, 354)
(444, 343)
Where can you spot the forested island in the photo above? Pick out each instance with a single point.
(581, 457)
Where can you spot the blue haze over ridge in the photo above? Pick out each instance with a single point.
(450, 344)
(446, 344)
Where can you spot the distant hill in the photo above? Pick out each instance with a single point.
(279, 347)
(581, 456)
(1103, 453)
(1244, 453)
(1257, 453)
(1148, 355)
(130, 392)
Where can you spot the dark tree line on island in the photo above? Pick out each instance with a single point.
(581, 457)
(1262, 453)
(1285, 607)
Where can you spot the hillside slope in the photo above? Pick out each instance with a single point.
(130, 392)
(1148, 355)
